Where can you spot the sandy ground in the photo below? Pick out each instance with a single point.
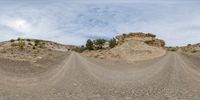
(75, 77)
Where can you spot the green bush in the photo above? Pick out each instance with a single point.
(112, 43)
(89, 45)
(99, 43)
(12, 40)
(37, 42)
(172, 49)
(21, 44)
(79, 49)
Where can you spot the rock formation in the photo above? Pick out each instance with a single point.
(147, 38)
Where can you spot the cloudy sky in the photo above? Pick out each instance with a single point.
(74, 21)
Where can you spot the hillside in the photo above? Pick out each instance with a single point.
(31, 49)
(131, 47)
(191, 49)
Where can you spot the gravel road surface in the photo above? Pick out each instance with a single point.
(172, 77)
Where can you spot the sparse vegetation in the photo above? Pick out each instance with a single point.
(194, 51)
(12, 40)
(30, 44)
(112, 43)
(80, 49)
(189, 45)
(18, 39)
(99, 43)
(173, 49)
(21, 44)
(28, 40)
(96, 45)
(36, 42)
(34, 47)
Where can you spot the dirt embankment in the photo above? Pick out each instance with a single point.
(131, 47)
(191, 49)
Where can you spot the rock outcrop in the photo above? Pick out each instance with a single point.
(147, 38)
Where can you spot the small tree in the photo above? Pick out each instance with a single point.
(112, 43)
(99, 43)
(18, 39)
(89, 44)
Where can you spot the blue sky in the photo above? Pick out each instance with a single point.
(74, 21)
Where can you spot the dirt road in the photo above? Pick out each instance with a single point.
(171, 77)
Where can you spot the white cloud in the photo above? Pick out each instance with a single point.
(19, 25)
(72, 22)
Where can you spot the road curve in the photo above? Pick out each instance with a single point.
(171, 77)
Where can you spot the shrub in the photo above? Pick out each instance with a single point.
(28, 40)
(89, 45)
(112, 43)
(194, 51)
(34, 47)
(18, 39)
(99, 43)
(21, 44)
(12, 40)
(41, 46)
(124, 34)
(79, 49)
(30, 44)
(37, 42)
(189, 45)
(173, 49)
(151, 35)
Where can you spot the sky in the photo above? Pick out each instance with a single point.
(74, 21)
